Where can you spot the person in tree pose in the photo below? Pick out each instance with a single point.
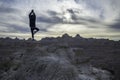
(32, 20)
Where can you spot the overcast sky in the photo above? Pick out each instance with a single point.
(89, 18)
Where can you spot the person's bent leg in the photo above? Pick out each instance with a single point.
(36, 30)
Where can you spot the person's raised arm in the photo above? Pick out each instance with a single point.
(30, 13)
(34, 13)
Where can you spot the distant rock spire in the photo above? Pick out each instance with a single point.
(78, 36)
(66, 36)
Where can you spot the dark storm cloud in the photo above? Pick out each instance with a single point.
(46, 19)
(52, 13)
(43, 30)
(16, 28)
(8, 1)
(5, 7)
(73, 11)
(75, 17)
(116, 26)
(79, 19)
(70, 11)
(19, 28)
(77, 1)
(89, 19)
(5, 10)
(53, 19)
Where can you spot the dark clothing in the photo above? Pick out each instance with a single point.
(32, 20)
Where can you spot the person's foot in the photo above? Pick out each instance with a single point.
(33, 39)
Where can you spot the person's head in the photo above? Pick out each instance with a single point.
(32, 10)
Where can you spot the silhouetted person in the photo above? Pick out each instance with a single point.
(32, 18)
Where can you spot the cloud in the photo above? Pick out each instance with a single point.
(53, 18)
(77, 19)
(18, 28)
(7, 10)
(50, 20)
(13, 28)
(52, 13)
(115, 26)
(7, 2)
(5, 7)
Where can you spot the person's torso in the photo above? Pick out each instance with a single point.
(32, 18)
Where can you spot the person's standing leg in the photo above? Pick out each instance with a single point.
(32, 32)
